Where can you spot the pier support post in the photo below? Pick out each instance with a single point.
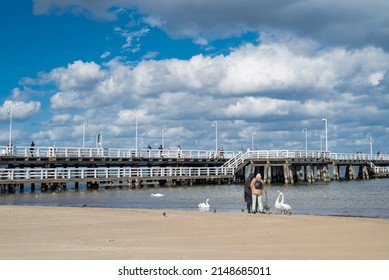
(364, 172)
(323, 173)
(288, 176)
(335, 172)
(350, 172)
(267, 175)
(310, 176)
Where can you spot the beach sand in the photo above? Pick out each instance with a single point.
(78, 233)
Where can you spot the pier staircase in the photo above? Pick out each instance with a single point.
(237, 162)
(379, 171)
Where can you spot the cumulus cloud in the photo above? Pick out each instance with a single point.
(268, 69)
(350, 22)
(376, 78)
(98, 9)
(20, 110)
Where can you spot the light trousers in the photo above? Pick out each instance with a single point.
(254, 203)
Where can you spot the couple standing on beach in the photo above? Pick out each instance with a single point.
(253, 188)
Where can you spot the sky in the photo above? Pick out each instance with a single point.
(265, 72)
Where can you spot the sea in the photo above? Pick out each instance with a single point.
(359, 198)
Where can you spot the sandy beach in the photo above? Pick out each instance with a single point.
(78, 233)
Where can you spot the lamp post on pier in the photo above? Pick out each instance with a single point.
(326, 121)
(135, 119)
(321, 142)
(306, 139)
(370, 138)
(84, 125)
(214, 124)
(253, 134)
(9, 111)
(163, 136)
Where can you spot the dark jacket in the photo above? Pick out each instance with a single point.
(247, 187)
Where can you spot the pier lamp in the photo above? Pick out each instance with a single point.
(370, 138)
(306, 139)
(321, 142)
(84, 125)
(253, 134)
(135, 119)
(326, 121)
(9, 111)
(214, 124)
(163, 136)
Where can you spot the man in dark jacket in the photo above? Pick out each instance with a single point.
(247, 191)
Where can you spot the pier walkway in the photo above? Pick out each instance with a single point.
(56, 166)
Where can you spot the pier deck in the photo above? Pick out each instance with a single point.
(59, 166)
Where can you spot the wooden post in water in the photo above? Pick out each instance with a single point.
(350, 172)
(335, 174)
(267, 175)
(310, 176)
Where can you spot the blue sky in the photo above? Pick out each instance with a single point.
(266, 67)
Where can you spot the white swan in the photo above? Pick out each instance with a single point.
(204, 205)
(286, 209)
(266, 205)
(157, 194)
(278, 204)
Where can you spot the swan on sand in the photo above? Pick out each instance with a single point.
(157, 194)
(204, 205)
(281, 206)
(266, 205)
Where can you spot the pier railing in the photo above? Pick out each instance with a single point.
(76, 152)
(235, 158)
(110, 173)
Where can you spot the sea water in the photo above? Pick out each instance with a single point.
(360, 198)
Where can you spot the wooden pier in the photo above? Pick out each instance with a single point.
(56, 167)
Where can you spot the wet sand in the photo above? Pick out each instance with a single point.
(83, 233)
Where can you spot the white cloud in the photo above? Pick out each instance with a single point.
(349, 22)
(20, 110)
(201, 41)
(376, 78)
(105, 54)
(77, 75)
(132, 38)
(275, 82)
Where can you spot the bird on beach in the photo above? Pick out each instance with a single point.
(286, 207)
(164, 214)
(266, 205)
(278, 205)
(281, 206)
(204, 205)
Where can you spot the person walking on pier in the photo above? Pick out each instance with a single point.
(247, 191)
(257, 185)
(32, 148)
(160, 150)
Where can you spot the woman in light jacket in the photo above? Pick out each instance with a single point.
(256, 190)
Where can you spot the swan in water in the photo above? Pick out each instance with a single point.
(266, 205)
(157, 194)
(204, 205)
